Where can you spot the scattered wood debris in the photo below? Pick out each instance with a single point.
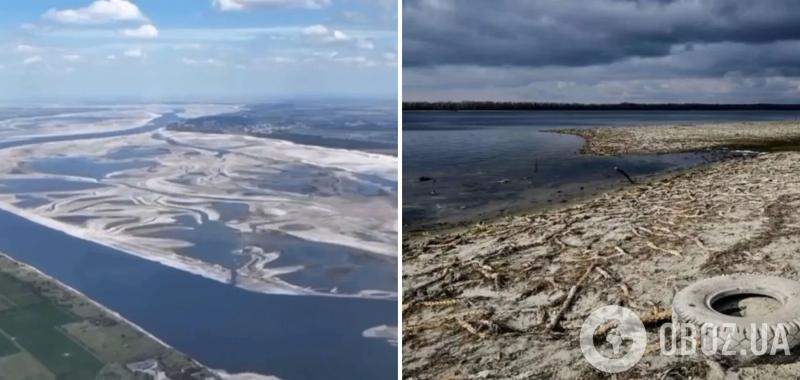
(477, 300)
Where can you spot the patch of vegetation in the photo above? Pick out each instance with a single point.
(34, 324)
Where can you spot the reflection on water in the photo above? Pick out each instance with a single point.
(463, 165)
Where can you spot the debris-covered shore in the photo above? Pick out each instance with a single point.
(774, 135)
(506, 299)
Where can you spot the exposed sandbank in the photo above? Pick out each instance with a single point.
(687, 137)
(477, 302)
(191, 173)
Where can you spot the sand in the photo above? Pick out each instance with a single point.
(477, 301)
(191, 173)
(687, 137)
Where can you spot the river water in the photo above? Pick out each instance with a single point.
(220, 325)
(460, 166)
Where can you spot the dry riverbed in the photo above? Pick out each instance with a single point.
(482, 302)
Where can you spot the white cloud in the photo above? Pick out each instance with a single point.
(24, 48)
(71, 57)
(134, 53)
(322, 33)
(111, 57)
(330, 55)
(32, 60)
(360, 61)
(239, 5)
(316, 30)
(283, 60)
(338, 35)
(208, 62)
(144, 31)
(98, 12)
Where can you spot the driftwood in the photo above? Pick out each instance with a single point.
(569, 300)
(623, 235)
(654, 318)
(620, 171)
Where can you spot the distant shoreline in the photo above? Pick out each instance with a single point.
(537, 106)
(678, 138)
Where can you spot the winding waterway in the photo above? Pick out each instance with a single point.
(219, 324)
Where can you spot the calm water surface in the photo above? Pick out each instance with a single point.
(222, 326)
(461, 166)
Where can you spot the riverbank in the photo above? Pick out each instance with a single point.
(484, 302)
(159, 298)
(108, 345)
(660, 139)
(567, 195)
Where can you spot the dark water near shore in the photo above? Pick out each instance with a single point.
(292, 337)
(481, 164)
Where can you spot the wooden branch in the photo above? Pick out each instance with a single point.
(569, 300)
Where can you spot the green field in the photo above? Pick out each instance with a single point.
(16, 293)
(35, 323)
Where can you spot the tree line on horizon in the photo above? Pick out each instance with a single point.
(538, 106)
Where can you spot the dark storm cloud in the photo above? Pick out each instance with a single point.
(535, 33)
(602, 50)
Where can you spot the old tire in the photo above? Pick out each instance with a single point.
(737, 335)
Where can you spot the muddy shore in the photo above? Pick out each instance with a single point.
(480, 302)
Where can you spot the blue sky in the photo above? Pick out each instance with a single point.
(191, 50)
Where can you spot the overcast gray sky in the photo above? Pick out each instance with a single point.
(717, 51)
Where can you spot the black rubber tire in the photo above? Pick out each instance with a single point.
(693, 305)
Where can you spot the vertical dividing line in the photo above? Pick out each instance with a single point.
(399, 57)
